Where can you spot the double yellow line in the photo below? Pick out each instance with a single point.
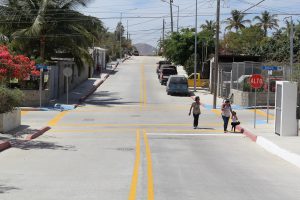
(134, 182)
(143, 93)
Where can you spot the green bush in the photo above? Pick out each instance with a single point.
(10, 99)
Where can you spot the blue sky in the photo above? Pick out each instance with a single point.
(145, 17)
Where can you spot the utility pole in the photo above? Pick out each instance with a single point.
(177, 19)
(196, 34)
(215, 82)
(291, 49)
(163, 35)
(171, 11)
(127, 30)
(120, 31)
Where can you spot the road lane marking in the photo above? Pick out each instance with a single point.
(126, 125)
(134, 181)
(57, 118)
(24, 113)
(143, 94)
(132, 129)
(198, 134)
(262, 113)
(150, 185)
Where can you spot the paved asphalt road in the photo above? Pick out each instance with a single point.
(132, 141)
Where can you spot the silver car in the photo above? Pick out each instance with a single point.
(177, 84)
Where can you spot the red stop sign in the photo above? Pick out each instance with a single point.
(256, 81)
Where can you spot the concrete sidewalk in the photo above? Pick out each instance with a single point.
(76, 96)
(287, 148)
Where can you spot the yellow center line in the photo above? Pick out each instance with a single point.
(134, 181)
(57, 118)
(143, 94)
(150, 188)
(24, 113)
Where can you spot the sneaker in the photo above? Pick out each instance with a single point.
(195, 127)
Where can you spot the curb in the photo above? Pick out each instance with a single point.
(247, 133)
(31, 109)
(38, 133)
(94, 88)
(4, 145)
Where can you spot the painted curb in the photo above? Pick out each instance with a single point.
(4, 145)
(31, 109)
(38, 133)
(247, 133)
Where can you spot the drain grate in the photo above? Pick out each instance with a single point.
(88, 120)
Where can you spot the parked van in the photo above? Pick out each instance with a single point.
(165, 73)
(177, 84)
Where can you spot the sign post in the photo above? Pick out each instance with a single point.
(67, 73)
(256, 81)
(270, 70)
(41, 86)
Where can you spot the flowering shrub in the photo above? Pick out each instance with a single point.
(15, 66)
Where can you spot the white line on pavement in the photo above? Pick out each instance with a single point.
(196, 134)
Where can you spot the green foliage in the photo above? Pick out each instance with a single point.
(10, 99)
(180, 47)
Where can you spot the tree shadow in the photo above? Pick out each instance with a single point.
(28, 145)
(21, 131)
(4, 189)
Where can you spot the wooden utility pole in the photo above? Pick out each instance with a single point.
(171, 11)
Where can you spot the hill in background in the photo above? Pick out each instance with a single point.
(145, 49)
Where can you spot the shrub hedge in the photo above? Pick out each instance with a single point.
(10, 99)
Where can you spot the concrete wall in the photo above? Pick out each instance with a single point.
(32, 98)
(10, 120)
(246, 99)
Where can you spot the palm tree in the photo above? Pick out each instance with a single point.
(266, 21)
(50, 26)
(236, 21)
(209, 26)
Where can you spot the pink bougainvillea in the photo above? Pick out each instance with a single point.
(15, 66)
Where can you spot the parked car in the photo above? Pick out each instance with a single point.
(136, 53)
(166, 66)
(160, 63)
(177, 84)
(165, 73)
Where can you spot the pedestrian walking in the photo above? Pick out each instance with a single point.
(235, 121)
(196, 111)
(226, 111)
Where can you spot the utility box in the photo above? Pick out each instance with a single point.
(286, 106)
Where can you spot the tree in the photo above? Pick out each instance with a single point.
(209, 26)
(45, 27)
(236, 21)
(266, 21)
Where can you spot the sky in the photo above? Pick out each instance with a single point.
(145, 17)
